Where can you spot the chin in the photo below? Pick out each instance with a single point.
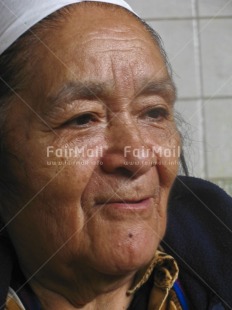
(128, 254)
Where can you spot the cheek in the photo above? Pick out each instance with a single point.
(52, 190)
(165, 145)
(61, 168)
(54, 217)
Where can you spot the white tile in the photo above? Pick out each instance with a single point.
(215, 7)
(218, 120)
(178, 42)
(216, 44)
(191, 132)
(161, 8)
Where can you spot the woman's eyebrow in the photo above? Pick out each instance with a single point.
(164, 87)
(76, 90)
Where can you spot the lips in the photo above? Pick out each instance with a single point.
(119, 205)
(143, 207)
(129, 209)
(124, 200)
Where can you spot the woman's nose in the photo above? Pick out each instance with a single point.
(127, 152)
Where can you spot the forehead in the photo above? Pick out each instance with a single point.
(93, 20)
(97, 43)
(87, 22)
(91, 16)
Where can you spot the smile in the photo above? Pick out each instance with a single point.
(143, 207)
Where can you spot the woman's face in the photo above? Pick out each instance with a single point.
(95, 148)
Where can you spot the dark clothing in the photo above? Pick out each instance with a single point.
(199, 237)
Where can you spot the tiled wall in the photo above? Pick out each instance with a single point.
(197, 36)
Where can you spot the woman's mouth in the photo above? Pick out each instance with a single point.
(143, 207)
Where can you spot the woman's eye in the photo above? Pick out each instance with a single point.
(157, 114)
(83, 120)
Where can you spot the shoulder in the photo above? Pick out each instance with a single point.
(196, 202)
(195, 188)
(199, 236)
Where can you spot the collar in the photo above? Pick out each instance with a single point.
(165, 272)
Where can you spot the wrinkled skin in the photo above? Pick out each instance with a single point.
(94, 225)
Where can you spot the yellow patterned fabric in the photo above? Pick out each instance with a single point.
(165, 271)
(13, 302)
(12, 305)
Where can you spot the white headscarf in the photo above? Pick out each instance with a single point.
(17, 16)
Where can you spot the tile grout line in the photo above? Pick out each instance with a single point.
(187, 18)
(199, 85)
(181, 99)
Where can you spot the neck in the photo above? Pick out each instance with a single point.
(114, 299)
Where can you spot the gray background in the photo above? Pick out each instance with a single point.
(197, 35)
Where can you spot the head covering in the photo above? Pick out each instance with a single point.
(18, 16)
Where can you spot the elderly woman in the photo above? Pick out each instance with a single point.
(89, 154)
